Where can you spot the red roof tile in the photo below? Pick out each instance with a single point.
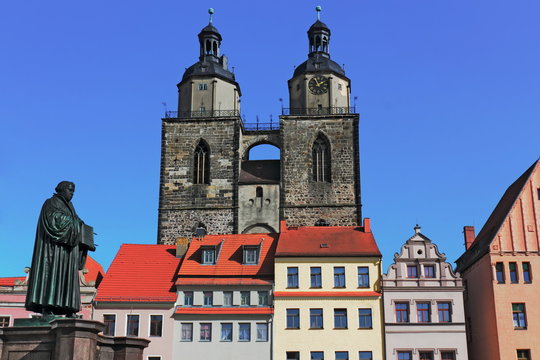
(95, 271)
(10, 281)
(141, 273)
(326, 294)
(222, 281)
(327, 241)
(224, 310)
(230, 257)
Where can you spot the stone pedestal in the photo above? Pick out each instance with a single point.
(63, 339)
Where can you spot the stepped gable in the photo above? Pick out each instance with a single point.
(500, 214)
(141, 273)
(327, 241)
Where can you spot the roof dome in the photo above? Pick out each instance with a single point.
(319, 25)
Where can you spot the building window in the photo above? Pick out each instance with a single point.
(109, 321)
(412, 271)
(227, 298)
(154, 358)
(342, 355)
(293, 355)
(422, 310)
(445, 315)
(317, 355)
(499, 270)
(402, 312)
(363, 276)
(156, 325)
(208, 256)
(429, 271)
(206, 332)
(244, 298)
(293, 319)
(226, 332)
(188, 298)
(513, 273)
(524, 354)
(448, 355)
(321, 159)
(132, 328)
(339, 277)
(426, 355)
(201, 164)
(518, 313)
(4, 321)
(244, 332)
(263, 298)
(203, 86)
(365, 355)
(340, 318)
(251, 255)
(404, 355)
(208, 298)
(364, 318)
(262, 332)
(526, 272)
(187, 332)
(315, 318)
(292, 277)
(316, 277)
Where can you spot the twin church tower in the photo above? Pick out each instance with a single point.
(207, 178)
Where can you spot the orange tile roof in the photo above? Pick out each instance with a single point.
(327, 241)
(224, 310)
(95, 271)
(326, 294)
(222, 281)
(10, 281)
(230, 257)
(141, 273)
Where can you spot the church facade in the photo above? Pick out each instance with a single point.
(209, 183)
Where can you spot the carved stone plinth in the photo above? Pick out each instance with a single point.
(63, 339)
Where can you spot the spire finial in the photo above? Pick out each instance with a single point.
(318, 8)
(417, 229)
(211, 12)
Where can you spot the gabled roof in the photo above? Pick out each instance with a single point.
(230, 257)
(95, 271)
(481, 244)
(325, 241)
(10, 281)
(141, 273)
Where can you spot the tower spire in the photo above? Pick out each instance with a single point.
(211, 12)
(318, 9)
(319, 37)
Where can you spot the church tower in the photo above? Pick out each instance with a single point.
(320, 177)
(199, 156)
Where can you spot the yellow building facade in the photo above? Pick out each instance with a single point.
(327, 300)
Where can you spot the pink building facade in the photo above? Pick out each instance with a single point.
(501, 270)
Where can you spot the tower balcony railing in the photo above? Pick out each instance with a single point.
(261, 126)
(201, 114)
(319, 110)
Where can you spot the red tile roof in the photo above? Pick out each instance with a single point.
(327, 241)
(222, 281)
(95, 271)
(326, 294)
(10, 281)
(230, 257)
(141, 273)
(224, 310)
(481, 244)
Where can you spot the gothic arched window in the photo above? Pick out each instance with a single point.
(201, 164)
(321, 159)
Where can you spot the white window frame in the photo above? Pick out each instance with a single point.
(115, 322)
(150, 325)
(181, 332)
(126, 328)
(9, 318)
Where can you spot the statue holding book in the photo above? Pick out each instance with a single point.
(62, 243)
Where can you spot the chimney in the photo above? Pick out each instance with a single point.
(182, 244)
(468, 234)
(367, 225)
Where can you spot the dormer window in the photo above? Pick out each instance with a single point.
(209, 256)
(203, 86)
(251, 255)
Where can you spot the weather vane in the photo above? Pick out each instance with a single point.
(318, 8)
(211, 12)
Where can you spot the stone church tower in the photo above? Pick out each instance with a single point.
(207, 179)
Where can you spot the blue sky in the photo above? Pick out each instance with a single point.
(448, 94)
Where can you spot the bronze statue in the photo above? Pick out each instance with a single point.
(62, 243)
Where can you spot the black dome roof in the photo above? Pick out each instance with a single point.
(324, 65)
(208, 68)
(319, 25)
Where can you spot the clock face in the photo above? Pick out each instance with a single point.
(318, 85)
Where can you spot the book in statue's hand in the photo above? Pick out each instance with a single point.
(86, 238)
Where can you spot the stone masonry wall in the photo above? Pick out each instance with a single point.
(183, 204)
(304, 201)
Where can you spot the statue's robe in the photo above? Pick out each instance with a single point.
(53, 284)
